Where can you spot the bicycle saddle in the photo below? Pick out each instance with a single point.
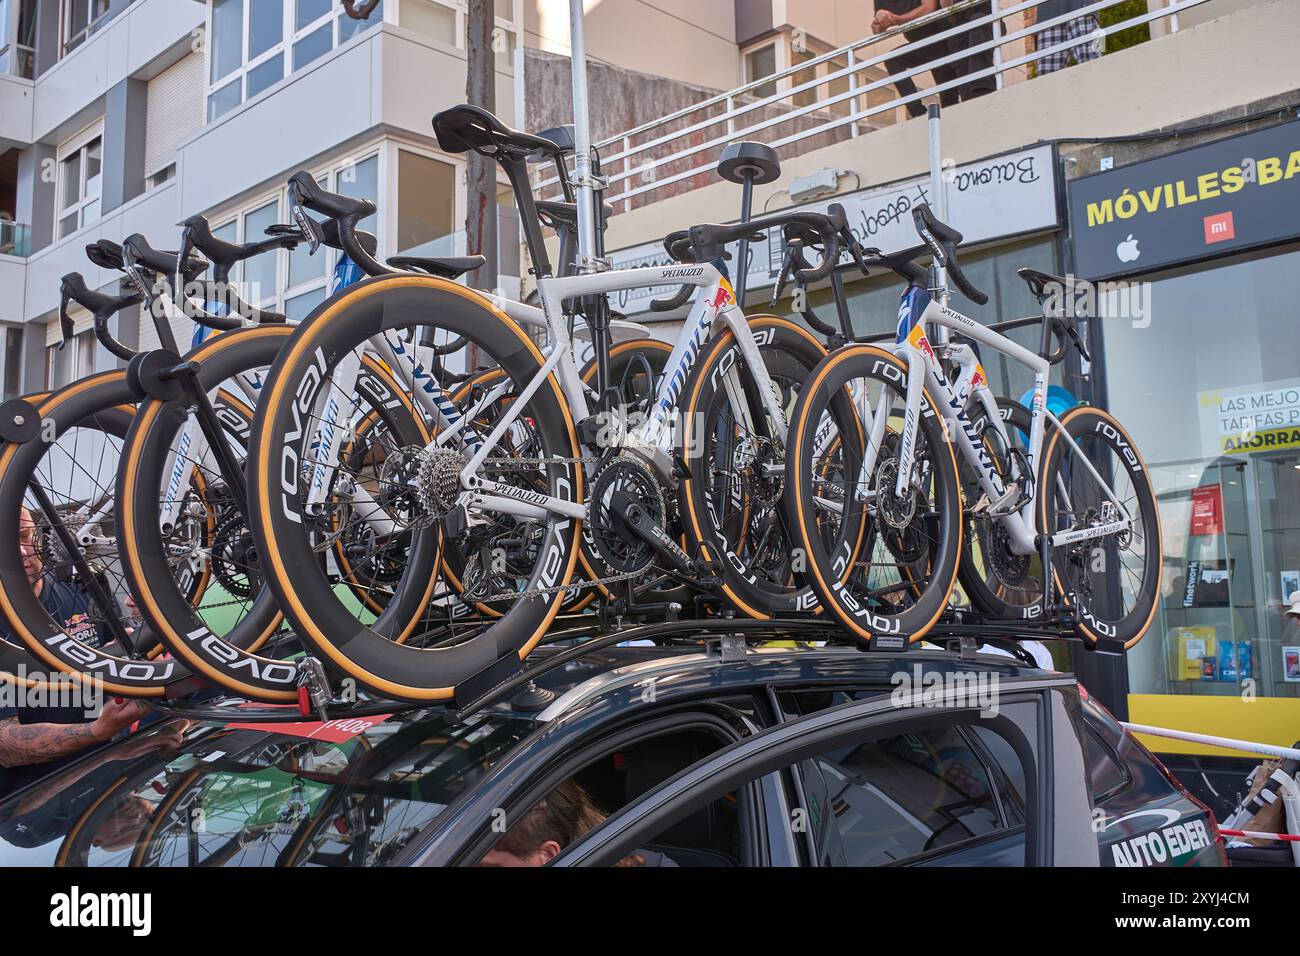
(463, 128)
(452, 267)
(164, 263)
(561, 215)
(1039, 281)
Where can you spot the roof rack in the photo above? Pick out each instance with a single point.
(960, 632)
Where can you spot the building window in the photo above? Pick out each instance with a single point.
(447, 21)
(80, 161)
(18, 52)
(13, 362)
(761, 62)
(74, 361)
(255, 43)
(426, 205)
(295, 281)
(81, 18)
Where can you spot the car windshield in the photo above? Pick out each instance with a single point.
(343, 793)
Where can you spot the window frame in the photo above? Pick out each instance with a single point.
(699, 716)
(289, 36)
(461, 10)
(70, 43)
(784, 745)
(78, 145)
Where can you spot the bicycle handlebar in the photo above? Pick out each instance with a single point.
(73, 288)
(943, 241)
(345, 211)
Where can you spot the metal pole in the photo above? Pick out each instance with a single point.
(582, 142)
(939, 200)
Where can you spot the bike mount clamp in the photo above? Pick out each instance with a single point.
(19, 421)
(314, 692)
(157, 373)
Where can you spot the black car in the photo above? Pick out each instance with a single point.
(713, 753)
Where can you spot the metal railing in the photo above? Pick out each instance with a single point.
(682, 146)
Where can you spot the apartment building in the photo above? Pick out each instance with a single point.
(130, 115)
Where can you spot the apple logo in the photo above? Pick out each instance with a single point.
(1127, 251)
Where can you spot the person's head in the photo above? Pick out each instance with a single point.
(29, 545)
(562, 816)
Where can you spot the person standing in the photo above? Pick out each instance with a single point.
(896, 13)
(1086, 28)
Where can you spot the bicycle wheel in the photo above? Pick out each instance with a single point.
(221, 636)
(731, 503)
(58, 488)
(430, 313)
(998, 581)
(1113, 580)
(909, 546)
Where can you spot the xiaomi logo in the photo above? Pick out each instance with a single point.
(1219, 228)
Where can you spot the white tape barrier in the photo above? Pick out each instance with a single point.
(1268, 750)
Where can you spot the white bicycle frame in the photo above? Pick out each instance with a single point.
(924, 369)
(715, 304)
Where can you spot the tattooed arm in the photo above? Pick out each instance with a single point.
(24, 744)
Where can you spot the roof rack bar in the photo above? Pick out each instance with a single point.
(700, 630)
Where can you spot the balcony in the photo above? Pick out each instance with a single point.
(15, 239)
(843, 112)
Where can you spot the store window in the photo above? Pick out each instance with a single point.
(80, 182)
(256, 43)
(1209, 388)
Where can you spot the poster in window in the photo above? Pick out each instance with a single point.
(1291, 663)
(1207, 510)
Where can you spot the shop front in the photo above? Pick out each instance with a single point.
(1206, 376)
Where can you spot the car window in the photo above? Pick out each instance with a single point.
(1105, 773)
(710, 836)
(1000, 764)
(256, 794)
(890, 800)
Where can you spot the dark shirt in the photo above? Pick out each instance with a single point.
(69, 607)
(907, 6)
(1055, 8)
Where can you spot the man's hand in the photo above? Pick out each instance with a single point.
(884, 20)
(118, 714)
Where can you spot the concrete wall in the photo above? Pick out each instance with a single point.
(1172, 79)
(686, 40)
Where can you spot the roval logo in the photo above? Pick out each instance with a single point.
(299, 407)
